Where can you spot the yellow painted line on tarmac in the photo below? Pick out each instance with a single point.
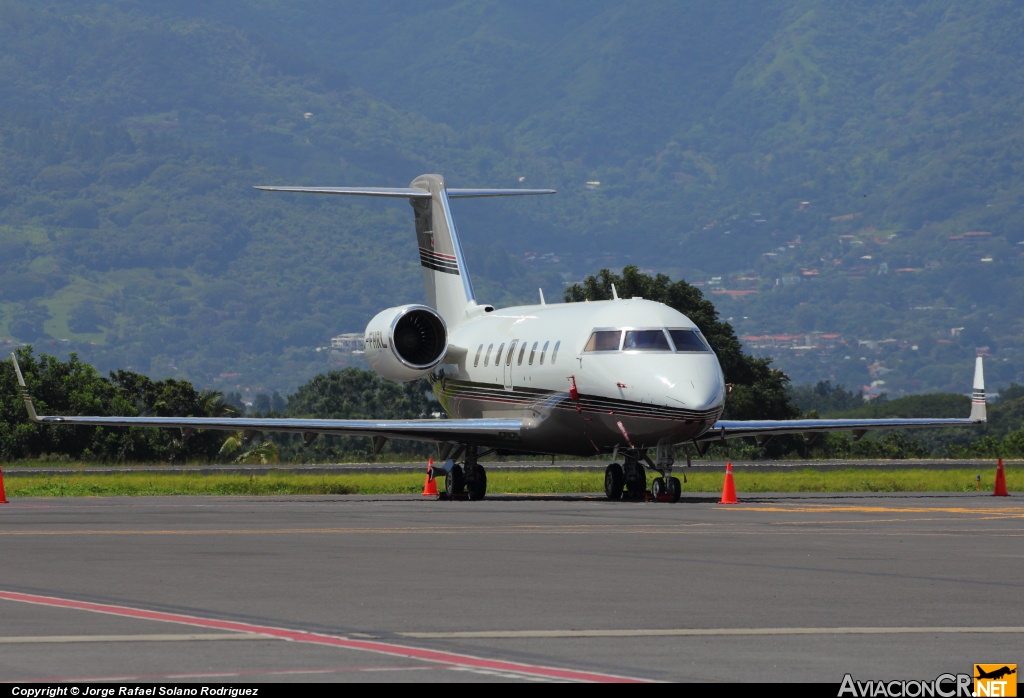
(827, 508)
(696, 632)
(186, 637)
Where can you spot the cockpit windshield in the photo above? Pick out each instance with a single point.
(645, 340)
(689, 340)
(604, 340)
(681, 340)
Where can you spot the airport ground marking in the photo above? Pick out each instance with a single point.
(218, 674)
(181, 637)
(464, 661)
(645, 529)
(705, 632)
(862, 508)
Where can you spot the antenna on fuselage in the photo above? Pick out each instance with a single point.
(542, 302)
(615, 294)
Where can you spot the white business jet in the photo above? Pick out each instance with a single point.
(627, 377)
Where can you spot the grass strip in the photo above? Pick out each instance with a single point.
(498, 481)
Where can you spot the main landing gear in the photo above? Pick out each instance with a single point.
(466, 480)
(626, 481)
(629, 481)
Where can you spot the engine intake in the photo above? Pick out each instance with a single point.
(405, 343)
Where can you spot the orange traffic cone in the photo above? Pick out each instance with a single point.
(1000, 490)
(430, 486)
(729, 490)
(3, 495)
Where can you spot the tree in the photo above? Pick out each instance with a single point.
(212, 403)
(353, 393)
(76, 388)
(758, 391)
(825, 398)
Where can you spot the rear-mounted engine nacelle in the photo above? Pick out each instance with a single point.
(404, 343)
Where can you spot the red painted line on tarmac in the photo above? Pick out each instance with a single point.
(216, 674)
(386, 648)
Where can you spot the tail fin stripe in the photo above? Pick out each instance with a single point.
(438, 255)
(438, 267)
(439, 262)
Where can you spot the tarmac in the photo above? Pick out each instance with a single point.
(781, 587)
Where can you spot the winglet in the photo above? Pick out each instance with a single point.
(24, 391)
(978, 394)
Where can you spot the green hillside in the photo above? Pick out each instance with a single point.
(813, 166)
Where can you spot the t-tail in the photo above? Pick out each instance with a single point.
(445, 275)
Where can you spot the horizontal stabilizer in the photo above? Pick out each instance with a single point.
(400, 192)
(408, 192)
(476, 193)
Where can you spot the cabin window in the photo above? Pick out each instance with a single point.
(645, 340)
(487, 356)
(603, 340)
(543, 351)
(476, 361)
(522, 353)
(533, 352)
(497, 355)
(554, 352)
(689, 341)
(511, 352)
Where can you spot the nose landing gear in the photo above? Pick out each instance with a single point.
(629, 481)
(666, 490)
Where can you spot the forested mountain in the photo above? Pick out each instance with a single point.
(848, 169)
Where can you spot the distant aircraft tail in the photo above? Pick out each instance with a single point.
(445, 276)
(978, 411)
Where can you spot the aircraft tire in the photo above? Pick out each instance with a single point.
(657, 487)
(614, 481)
(477, 487)
(675, 488)
(454, 481)
(637, 488)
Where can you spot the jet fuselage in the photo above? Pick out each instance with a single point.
(586, 377)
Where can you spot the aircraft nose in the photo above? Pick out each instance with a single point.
(699, 390)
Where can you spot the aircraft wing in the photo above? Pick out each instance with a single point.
(764, 429)
(441, 430)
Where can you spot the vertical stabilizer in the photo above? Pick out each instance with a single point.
(449, 289)
(445, 276)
